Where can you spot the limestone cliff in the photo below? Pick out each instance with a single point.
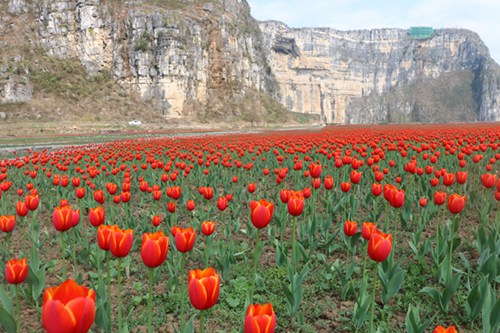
(209, 59)
(201, 59)
(371, 75)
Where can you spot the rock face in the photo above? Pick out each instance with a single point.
(344, 75)
(210, 59)
(186, 55)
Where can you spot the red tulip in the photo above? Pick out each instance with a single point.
(190, 205)
(208, 193)
(64, 218)
(156, 220)
(260, 319)
(21, 209)
(184, 239)
(111, 188)
(328, 182)
(315, 170)
(171, 207)
(103, 235)
(434, 182)
(80, 192)
(461, 177)
(154, 249)
(397, 198)
(367, 228)
(285, 195)
(379, 246)
(456, 203)
(222, 203)
(345, 186)
(208, 227)
(376, 189)
(99, 196)
(157, 195)
(120, 242)
(449, 179)
(489, 180)
(7, 223)
(350, 228)
(441, 329)
(16, 271)
(203, 288)
(261, 213)
(355, 176)
(388, 188)
(97, 216)
(174, 192)
(125, 197)
(32, 201)
(68, 308)
(251, 187)
(439, 198)
(422, 202)
(295, 205)
(306, 193)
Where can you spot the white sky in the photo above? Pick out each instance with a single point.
(481, 16)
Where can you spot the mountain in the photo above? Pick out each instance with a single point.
(210, 61)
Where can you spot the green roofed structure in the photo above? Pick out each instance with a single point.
(420, 32)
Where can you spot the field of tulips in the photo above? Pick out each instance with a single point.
(343, 229)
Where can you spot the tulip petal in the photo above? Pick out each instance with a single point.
(197, 294)
(83, 310)
(57, 318)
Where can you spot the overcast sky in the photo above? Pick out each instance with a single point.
(481, 16)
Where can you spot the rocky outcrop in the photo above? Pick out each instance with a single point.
(186, 55)
(210, 59)
(345, 76)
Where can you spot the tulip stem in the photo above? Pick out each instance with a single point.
(206, 251)
(119, 295)
(182, 290)
(73, 253)
(374, 289)
(294, 254)
(451, 245)
(63, 254)
(255, 261)
(202, 321)
(108, 277)
(18, 313)
(150, 301)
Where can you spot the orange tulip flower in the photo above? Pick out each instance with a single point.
(184, 239)
(441, 329)
(261, 213)
(379, 246)
(16, 271)
(7, 223)
(21, 209)
(367, 228)
(97, 216)
(120, 242)
(154, 249)
(295, 204)
(208, 227)
(203, 288)
(68, 308)
(350, 228)
(456, 203)
(260, 319)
